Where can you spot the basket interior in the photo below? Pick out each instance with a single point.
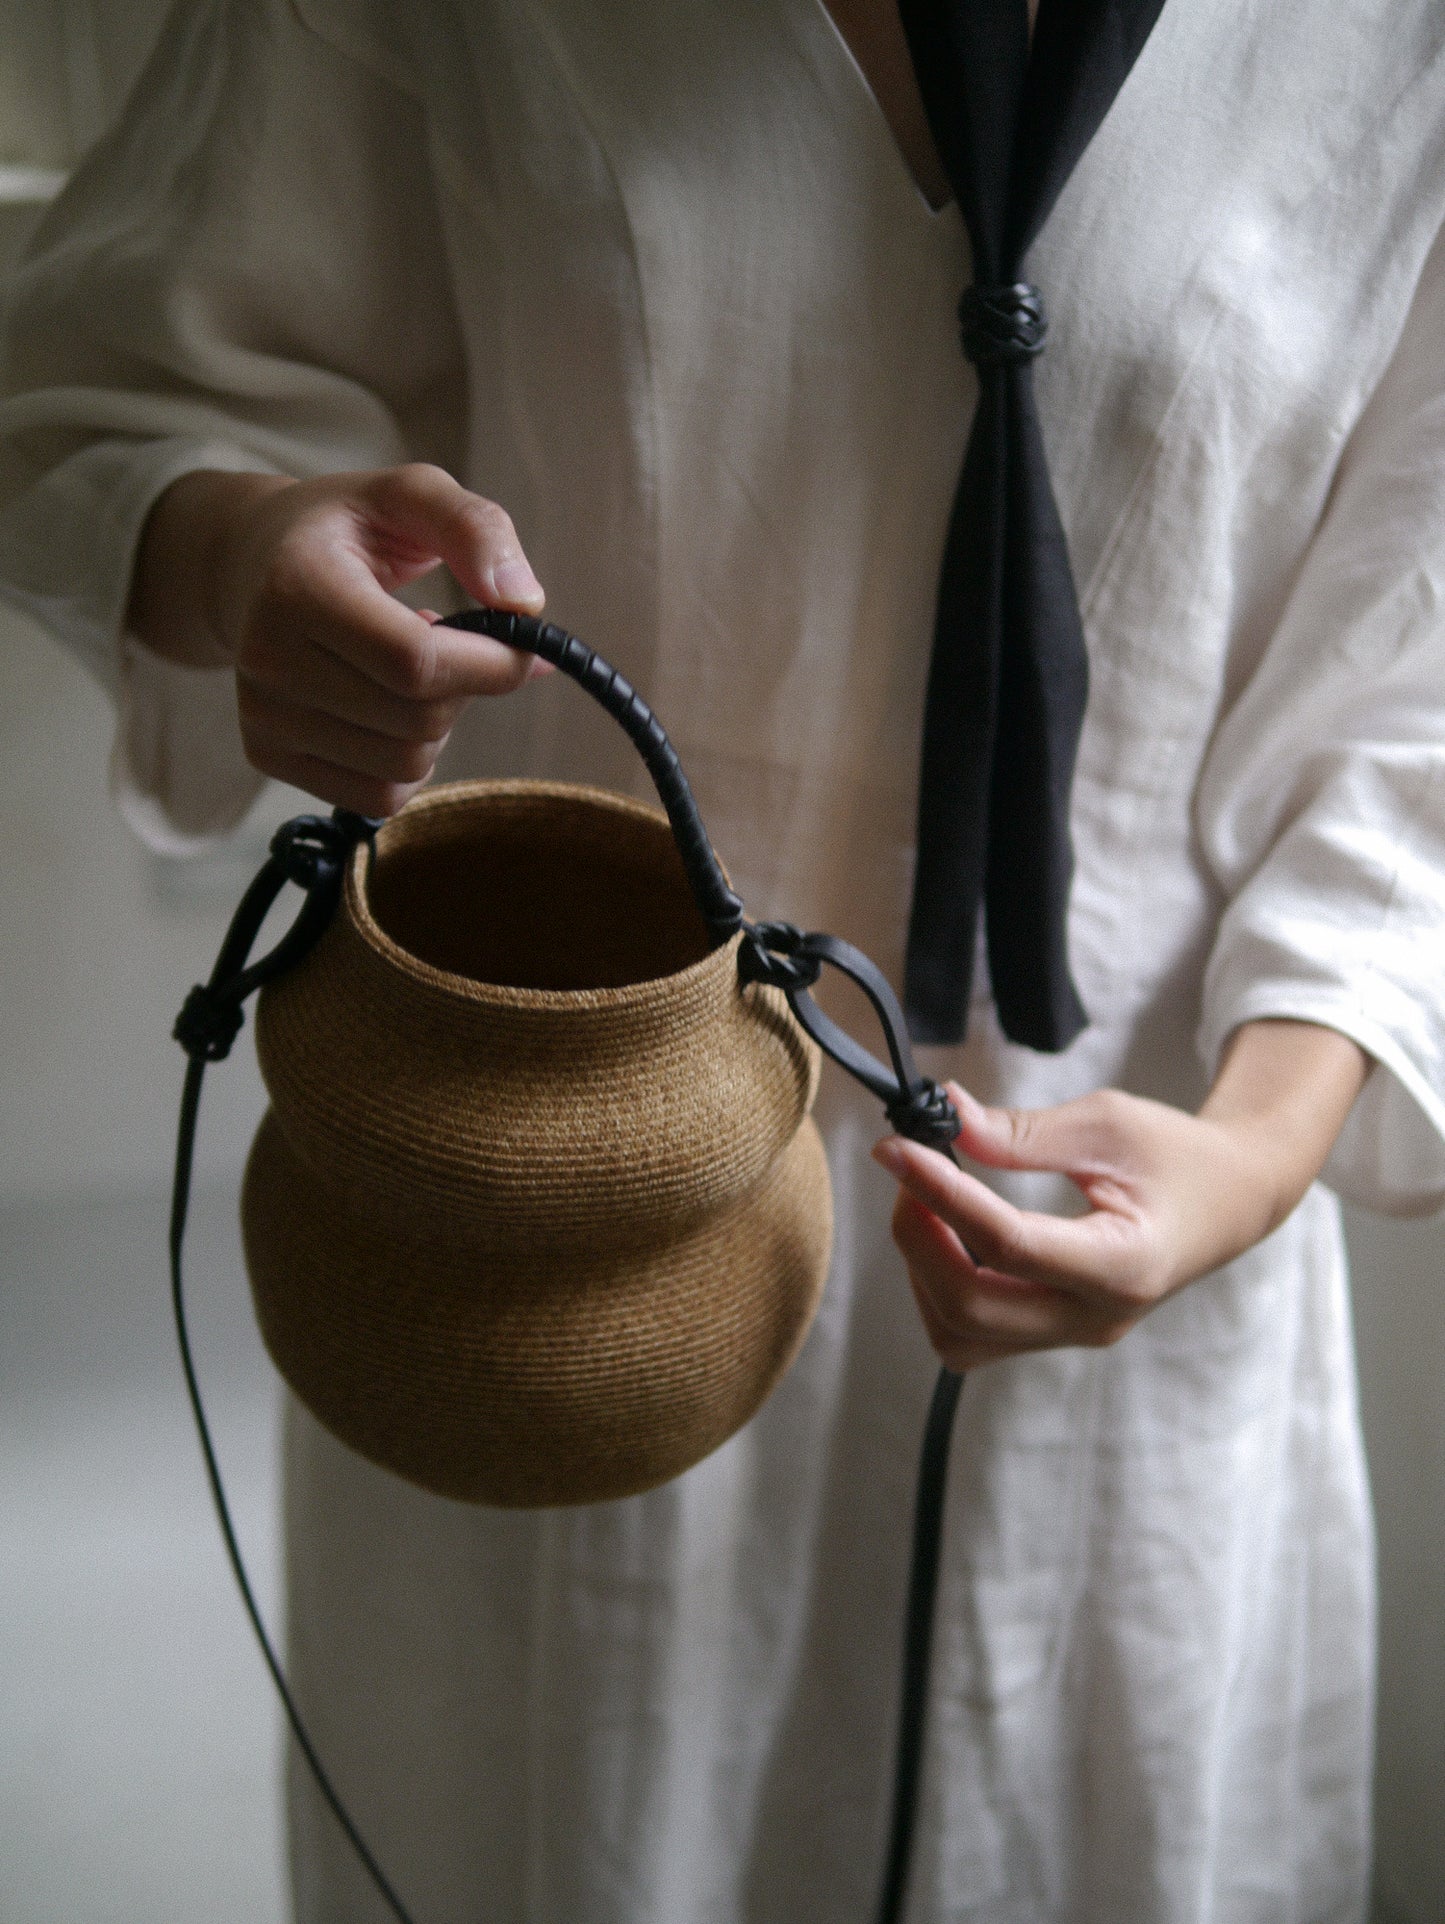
(537, 891)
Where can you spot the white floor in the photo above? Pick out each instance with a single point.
(138, 1741)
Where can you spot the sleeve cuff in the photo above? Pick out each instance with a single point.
(178, 772)
(67, 546)
(1390, 1155)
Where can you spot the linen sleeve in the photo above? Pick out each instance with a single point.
(248, 273)
(1321, 809)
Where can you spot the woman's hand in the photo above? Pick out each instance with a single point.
(1172, 1196)
(341, 689)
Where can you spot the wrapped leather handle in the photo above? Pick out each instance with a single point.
(772, 952)
(719, 905)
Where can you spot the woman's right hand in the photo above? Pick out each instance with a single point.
(342, 690)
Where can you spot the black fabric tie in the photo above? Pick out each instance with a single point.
(1009, 676)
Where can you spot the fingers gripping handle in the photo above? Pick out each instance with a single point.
(719, 906)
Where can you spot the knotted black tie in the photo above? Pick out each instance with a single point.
(1009, 675)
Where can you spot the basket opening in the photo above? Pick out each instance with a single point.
(537, 891)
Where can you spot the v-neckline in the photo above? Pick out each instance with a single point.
(938, 216)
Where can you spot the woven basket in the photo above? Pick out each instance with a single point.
(538, 1214)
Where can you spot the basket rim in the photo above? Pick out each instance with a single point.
(447, 797)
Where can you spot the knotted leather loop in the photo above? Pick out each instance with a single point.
(309, 850)
(787, 959)
(1002, 325)
(772, 952)
(208, 1024)
(924, 1115)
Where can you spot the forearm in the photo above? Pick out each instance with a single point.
(175, 601)
(1281, 1096)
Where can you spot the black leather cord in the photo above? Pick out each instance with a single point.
(918, 1641)
(779, 954)
(180, 1204)
(784, 957)
(311, 852)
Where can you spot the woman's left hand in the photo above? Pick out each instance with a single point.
(1171, 1195)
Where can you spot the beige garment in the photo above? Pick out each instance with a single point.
(658, 281)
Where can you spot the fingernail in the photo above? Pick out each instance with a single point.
(514, 584)
(889, 1155)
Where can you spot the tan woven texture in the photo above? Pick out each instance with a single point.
(538, 1215)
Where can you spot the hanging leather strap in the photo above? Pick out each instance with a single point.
(1008, 678)
(779, 954)
(719, 905)
(312, 852)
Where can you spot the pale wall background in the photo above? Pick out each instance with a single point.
(136, 1742)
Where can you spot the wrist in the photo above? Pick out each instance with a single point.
(186, 565)
(1279, 1101)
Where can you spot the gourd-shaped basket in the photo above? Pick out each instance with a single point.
(538, 1214)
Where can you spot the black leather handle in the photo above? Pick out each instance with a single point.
(720, 907)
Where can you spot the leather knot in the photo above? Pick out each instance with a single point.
(771, 953)
(308, 849)
(312, 848)
(208, 1024)
(1002, 325)
(924, 1114)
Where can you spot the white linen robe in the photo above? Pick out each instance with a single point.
(656, 279)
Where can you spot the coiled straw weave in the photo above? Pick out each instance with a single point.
(538, 1214)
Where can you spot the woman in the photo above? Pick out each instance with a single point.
(675, 291)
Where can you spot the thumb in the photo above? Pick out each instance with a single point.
(473, 536)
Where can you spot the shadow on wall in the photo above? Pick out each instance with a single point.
(1399, 1271)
